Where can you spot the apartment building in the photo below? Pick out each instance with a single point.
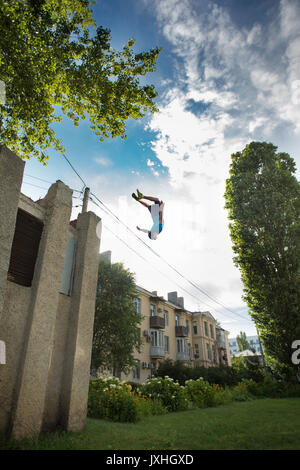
(252, 340)
(172, 332)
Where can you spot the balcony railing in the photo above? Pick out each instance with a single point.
(157, 351)
(183, 356)
(181, 331)
(157, 322)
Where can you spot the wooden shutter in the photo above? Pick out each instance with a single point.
(25, 248)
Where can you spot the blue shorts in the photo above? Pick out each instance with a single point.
(154, 211)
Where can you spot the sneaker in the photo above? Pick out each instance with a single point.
(135, 196)
(139, 194)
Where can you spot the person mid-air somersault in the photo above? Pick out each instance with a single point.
(156, 210)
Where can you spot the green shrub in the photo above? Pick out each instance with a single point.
(241, 391)
(202, 394)
(113, 399)
(171, 394)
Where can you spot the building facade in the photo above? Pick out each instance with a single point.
(48, 281)
(253, 343)
(169, 331)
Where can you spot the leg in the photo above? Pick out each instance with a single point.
(150, 198)
(144, 204)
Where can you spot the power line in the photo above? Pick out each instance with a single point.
(172, 267)
(45, 181)
(151, 249)
(141, 256)
(74, 170)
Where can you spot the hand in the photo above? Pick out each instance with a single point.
(138, 228)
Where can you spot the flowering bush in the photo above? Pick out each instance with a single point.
(171, 394)
(110, 398)
(201, 393)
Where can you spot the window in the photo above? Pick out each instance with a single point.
(177, 320)
(166, 317)
(138, 305)
(182, 345)
(157, 338)
(196, 347)
(25, 248)
(211, 331)
(187, 325)
(166, 343)
(208, 351)
(136, 370)
(214, 354)
(195, 327)
(205, 328)
(152, 310)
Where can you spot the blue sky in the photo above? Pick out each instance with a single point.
(228, 73)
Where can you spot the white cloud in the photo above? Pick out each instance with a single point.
(233, 85)
(103, 161)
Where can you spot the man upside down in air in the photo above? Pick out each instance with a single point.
(156, 211)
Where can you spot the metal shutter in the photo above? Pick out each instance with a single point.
(25, 248)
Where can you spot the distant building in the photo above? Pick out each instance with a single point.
(253, 343)
(170, 331)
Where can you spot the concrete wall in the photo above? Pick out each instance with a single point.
(48, 335)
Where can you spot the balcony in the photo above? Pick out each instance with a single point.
(183, 356)
(181, 331)
(157, 351)
(157, 322)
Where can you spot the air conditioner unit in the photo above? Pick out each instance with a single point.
(159, 310)
(144, 365)
(146, 333)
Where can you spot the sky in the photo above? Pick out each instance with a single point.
(228, 74)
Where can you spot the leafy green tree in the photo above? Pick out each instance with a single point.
(242, 341)
(263, 201)
(116, 333)
(53, 65)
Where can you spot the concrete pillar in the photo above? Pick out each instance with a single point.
(78, 355)
(11, 175)
(27, 415)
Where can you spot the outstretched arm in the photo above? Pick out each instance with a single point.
(142, 229)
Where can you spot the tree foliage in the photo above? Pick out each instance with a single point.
(52, 66)
(263, 201)
(242, 341)
(116, 325)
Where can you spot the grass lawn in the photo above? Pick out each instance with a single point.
(264, 424)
